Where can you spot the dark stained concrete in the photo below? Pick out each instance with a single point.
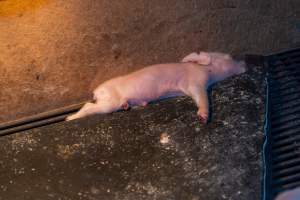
(120, 155)
(56, 53)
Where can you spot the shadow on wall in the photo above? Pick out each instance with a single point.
(17, 7)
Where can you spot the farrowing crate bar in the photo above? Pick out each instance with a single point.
(38, 120)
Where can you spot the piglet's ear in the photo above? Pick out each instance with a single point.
(204, 58)
(192, 57)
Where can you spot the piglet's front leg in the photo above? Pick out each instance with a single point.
(203, 106)
(199, 95)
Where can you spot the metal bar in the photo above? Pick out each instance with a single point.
(292, 56)
(278, 109)
(281, 67)
(286, 99)
(283, 122)
(291, 52)
(287, 92)
(284, 157)
(286, 127)
(282, 75)
(287, 179)
(288, 133)
(283, 86)
(284, 150)
(286, 186)
(287, 141)
(33, 125)
(41, 119)
(286, 164)
(286, 172)
(285, 116)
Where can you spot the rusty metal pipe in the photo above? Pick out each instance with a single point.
(38, 120)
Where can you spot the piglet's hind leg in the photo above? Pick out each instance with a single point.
(87, 109)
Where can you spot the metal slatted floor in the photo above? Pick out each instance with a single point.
(282, 149)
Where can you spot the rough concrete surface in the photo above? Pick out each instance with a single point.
(54, 53)
(121, 155)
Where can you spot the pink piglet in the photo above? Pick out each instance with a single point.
(191, 77)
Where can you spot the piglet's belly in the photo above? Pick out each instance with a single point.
(149, 98)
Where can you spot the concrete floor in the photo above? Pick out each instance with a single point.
(54, 53)
(120, 156)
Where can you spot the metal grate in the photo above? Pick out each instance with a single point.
(282, 147)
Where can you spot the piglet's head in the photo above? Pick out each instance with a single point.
(221, 65)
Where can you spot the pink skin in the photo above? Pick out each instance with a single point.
(289, 195)
(191, 77)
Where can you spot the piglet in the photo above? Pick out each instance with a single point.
(191, 77)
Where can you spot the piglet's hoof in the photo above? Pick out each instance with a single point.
(71, 117)
(125, 106)
(203, 119)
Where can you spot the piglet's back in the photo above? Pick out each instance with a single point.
(153, 81)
